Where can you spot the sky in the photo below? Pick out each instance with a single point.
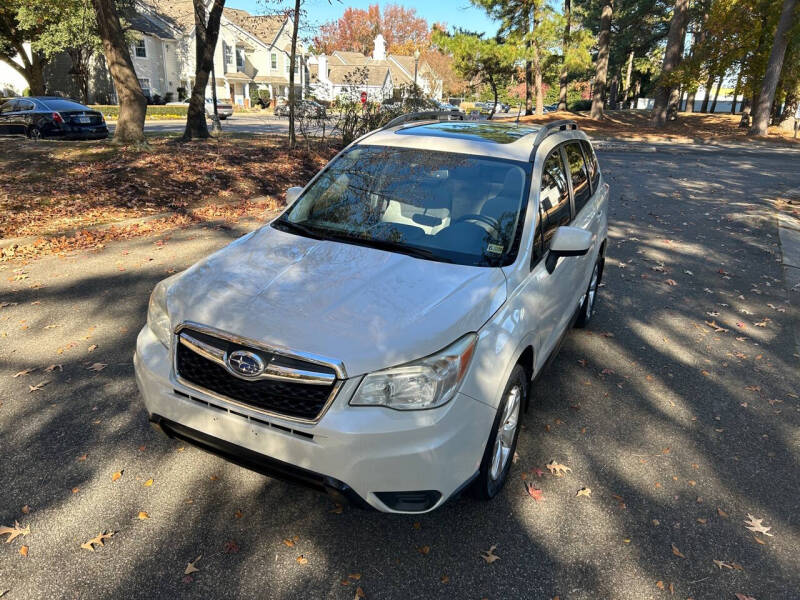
(452, 12)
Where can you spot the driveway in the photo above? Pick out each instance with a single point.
(678, 408)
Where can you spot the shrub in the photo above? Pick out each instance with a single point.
(580, 105)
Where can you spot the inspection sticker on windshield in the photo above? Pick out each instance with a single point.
(494, 248)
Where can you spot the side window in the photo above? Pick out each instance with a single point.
(8, 106)
(579, 175)
(591, 160)
(554, 209)
(24, 105)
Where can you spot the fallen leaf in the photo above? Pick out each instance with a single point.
(489, 555)
(26, 509)
(117, 475)
(238, 514)
(97, 367)
(360, 593)
(97, 540)
(584, 491)
(722, 564)
(288, 542)
(24, 372)
(83, 457)
(424, 549)
(743, 597)
(722, 513)
(23, 550)
(15, 531)
(671, 282)
(660, 584)
(537, 471)
(38, 386)
(759, 540)
(755, 525)
(337, 510)
(677, 552)
(445, 579)
(302, 560)
(52, 368)
(93, 347)
(557, 469)
(230, 547)
(354, 576)
(148, 483)
(533, 491)
(191, 568)
(701, 521)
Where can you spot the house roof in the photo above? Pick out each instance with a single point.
(178, 13)
(400, 66)
(376, 75)
(238, 76)
(270, 79)
(264, 27)
(350, 58)
(149, 26)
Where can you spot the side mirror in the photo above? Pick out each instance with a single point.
(568, 241)
(291, 194)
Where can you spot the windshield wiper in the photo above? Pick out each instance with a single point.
(298, 228)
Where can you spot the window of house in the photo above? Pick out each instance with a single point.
(580, 176)
(554, 209)
(274, 60)
(227, 55)
(591, 160)
(145, 85)
(296, 64)
(140, 49)
(239, 58)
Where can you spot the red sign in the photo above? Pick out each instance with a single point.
(363, 97)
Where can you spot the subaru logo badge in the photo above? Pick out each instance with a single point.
(245, 364)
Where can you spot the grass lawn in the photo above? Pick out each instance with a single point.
(54, 187)
(690, 127)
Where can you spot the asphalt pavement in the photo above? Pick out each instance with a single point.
(678, 407)
(240, 123)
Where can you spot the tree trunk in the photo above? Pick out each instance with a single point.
(690, 100)
(716, 94)
(613, 96)
(528, 87)
(626, 88)
(745, 120)
(562, 79)
(206, 35)
(603, 43)
(707, 91)
(737, 88)
(132, 103)
(672, 58)
(774, 65)
(292, 62)
(790, 109)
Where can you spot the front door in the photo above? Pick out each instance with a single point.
(5, 113)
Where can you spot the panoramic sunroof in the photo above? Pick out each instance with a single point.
(475, 131)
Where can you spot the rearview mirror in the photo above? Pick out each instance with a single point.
(292, 193)
(568, 241)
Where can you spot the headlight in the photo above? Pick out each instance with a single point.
(157, 317)
(425, 383)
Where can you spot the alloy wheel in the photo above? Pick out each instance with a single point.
(591, 293)
(506, 432)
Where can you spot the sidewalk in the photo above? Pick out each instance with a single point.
(789, 236)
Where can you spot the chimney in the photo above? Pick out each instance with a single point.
(322, 67)
(379, 52)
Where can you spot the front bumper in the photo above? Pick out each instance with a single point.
(362, 453)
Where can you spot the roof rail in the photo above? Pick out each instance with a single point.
(551, 128)
(426, 115)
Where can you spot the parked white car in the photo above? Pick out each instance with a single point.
(378, 340)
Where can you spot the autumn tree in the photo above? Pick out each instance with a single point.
(666, 90)
(132, 103)
(763, 105)
(356, 29)
(603, 49)
(479, 60)
(13, 37)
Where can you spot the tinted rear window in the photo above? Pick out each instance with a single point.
(579, 175)
(591, 159)
(59, 104)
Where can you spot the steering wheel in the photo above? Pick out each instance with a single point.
(479, 219)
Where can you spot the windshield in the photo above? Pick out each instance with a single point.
(433, 205)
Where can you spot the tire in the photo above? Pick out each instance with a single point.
(34, 133)
(499, 454)
(590, 298)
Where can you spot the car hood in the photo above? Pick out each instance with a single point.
(368, 308)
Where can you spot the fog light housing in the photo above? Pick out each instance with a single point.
(410, 501)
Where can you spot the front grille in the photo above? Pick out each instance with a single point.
(298, 400)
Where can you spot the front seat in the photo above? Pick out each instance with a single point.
(503, 207)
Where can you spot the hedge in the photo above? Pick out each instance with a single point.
(111, 111)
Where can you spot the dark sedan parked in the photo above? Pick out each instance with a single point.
(44, 116)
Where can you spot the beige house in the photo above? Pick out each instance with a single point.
(381, 76)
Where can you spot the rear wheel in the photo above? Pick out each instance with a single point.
(502, 442)
(34, 133)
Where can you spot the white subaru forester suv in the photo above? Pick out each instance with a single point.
(379, 338)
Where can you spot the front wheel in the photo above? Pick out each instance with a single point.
(502, 442)
(34, 133)
(587, 306)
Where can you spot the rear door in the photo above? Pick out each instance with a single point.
(5, 116)
(21, 117)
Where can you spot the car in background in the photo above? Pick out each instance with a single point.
(224, 109)
(447, 106)
(551, 107)
(51, 117)
(305, 108)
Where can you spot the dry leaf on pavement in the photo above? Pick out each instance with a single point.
(360, 593)
(117, 475)
(148, 483)
(489, 556)
(584, 491)
(38, 386)
(677, 552)
(97, 367)
(755, 525)
(52, 368)
(302, 560)
(97, 540)
(557, 469)
(143, 515)
(534, 492)
(722, 564)
(23, 550)
(190, 568)
(744, 597)
(14, 531)
(24, 372)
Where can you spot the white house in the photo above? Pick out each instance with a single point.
(252, 52)
(382, 75)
